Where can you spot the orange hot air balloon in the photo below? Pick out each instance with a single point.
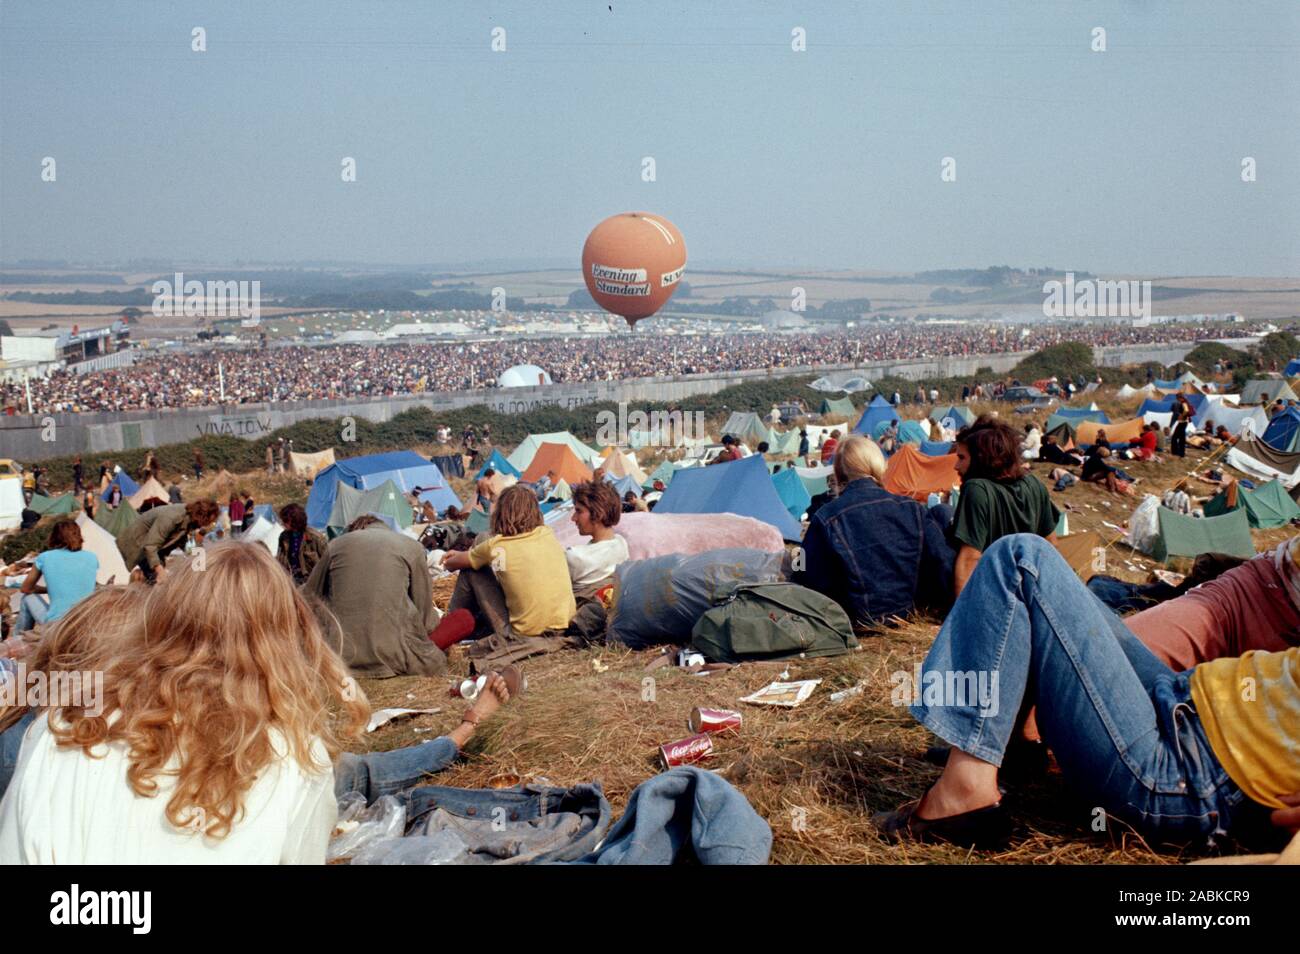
(632, 263)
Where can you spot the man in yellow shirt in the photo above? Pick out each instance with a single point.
(516, 582)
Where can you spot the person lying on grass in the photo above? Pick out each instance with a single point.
(1182, 757)
(217, 736)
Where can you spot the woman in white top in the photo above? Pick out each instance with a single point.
(212, 738)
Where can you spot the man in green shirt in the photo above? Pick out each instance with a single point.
(157, 532)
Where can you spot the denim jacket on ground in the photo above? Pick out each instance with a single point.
(878, 554)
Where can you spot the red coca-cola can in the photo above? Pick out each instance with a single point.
(694, 749)
(714, 720)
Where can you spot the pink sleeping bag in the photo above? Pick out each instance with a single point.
(658, 534)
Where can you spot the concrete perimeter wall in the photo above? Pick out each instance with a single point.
(30, 438)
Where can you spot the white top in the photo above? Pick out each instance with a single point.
(64, 807)
(595, 561)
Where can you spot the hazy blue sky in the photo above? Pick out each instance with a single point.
(1123, 161)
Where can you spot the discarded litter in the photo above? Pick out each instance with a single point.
(849, 692)
(599, 666)
(386, 818)
(381, 717)
(787, 694)
(714, 720)
(687, 658)
(686, 751)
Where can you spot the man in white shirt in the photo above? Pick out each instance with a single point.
(596, 511)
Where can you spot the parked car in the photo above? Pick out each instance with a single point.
(1022, 394)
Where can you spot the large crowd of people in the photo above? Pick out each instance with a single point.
(178, 378)
(229, 695)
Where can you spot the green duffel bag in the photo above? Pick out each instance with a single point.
(773, 621)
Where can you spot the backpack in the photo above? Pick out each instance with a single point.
(773, 621)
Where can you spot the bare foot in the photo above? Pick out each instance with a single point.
(495, 694)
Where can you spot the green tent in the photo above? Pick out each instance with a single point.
(1192, 536)
(960, 414)
(814, 479)
(386, 500)
(47, 506)
(478, 522)
(841, 407)
(1267, 507)
(779, 443)
(116, 521)
(663, 472)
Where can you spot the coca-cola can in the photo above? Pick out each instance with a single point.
(714, 720)
(693, 749)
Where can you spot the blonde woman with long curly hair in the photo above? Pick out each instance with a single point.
(220, 717)
(214, 736)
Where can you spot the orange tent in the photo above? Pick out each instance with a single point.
(618, 464)
(913, 474)
(559, 458)
(1117, 433)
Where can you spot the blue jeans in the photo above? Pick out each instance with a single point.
(376, 774)
(32, 610)
(373, 775)
(1121, 724)
(11, 741)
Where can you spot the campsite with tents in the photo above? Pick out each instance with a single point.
(818, 770)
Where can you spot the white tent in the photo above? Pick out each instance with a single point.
(264, 531)
(523, 376)
(12, 503)
(1126, 392)
(149, 490)
(97, 540)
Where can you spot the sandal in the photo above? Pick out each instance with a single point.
(984, 828)
(516, 681)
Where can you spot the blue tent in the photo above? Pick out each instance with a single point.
(123, 480)
(1283, 433)
(790, 488)
(741, 487)
(406, 469)
(1292, 368)
(873, 414)
(1162, 406)
(1174, 385)
(624, 484)
(936, 448)
(499, 463)
(1076, 415)
(911, 432)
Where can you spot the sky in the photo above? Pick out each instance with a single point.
(1127, 161)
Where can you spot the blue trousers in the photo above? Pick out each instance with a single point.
(1121, 724)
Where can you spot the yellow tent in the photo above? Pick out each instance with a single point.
(1119, 432)
(309, 465)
